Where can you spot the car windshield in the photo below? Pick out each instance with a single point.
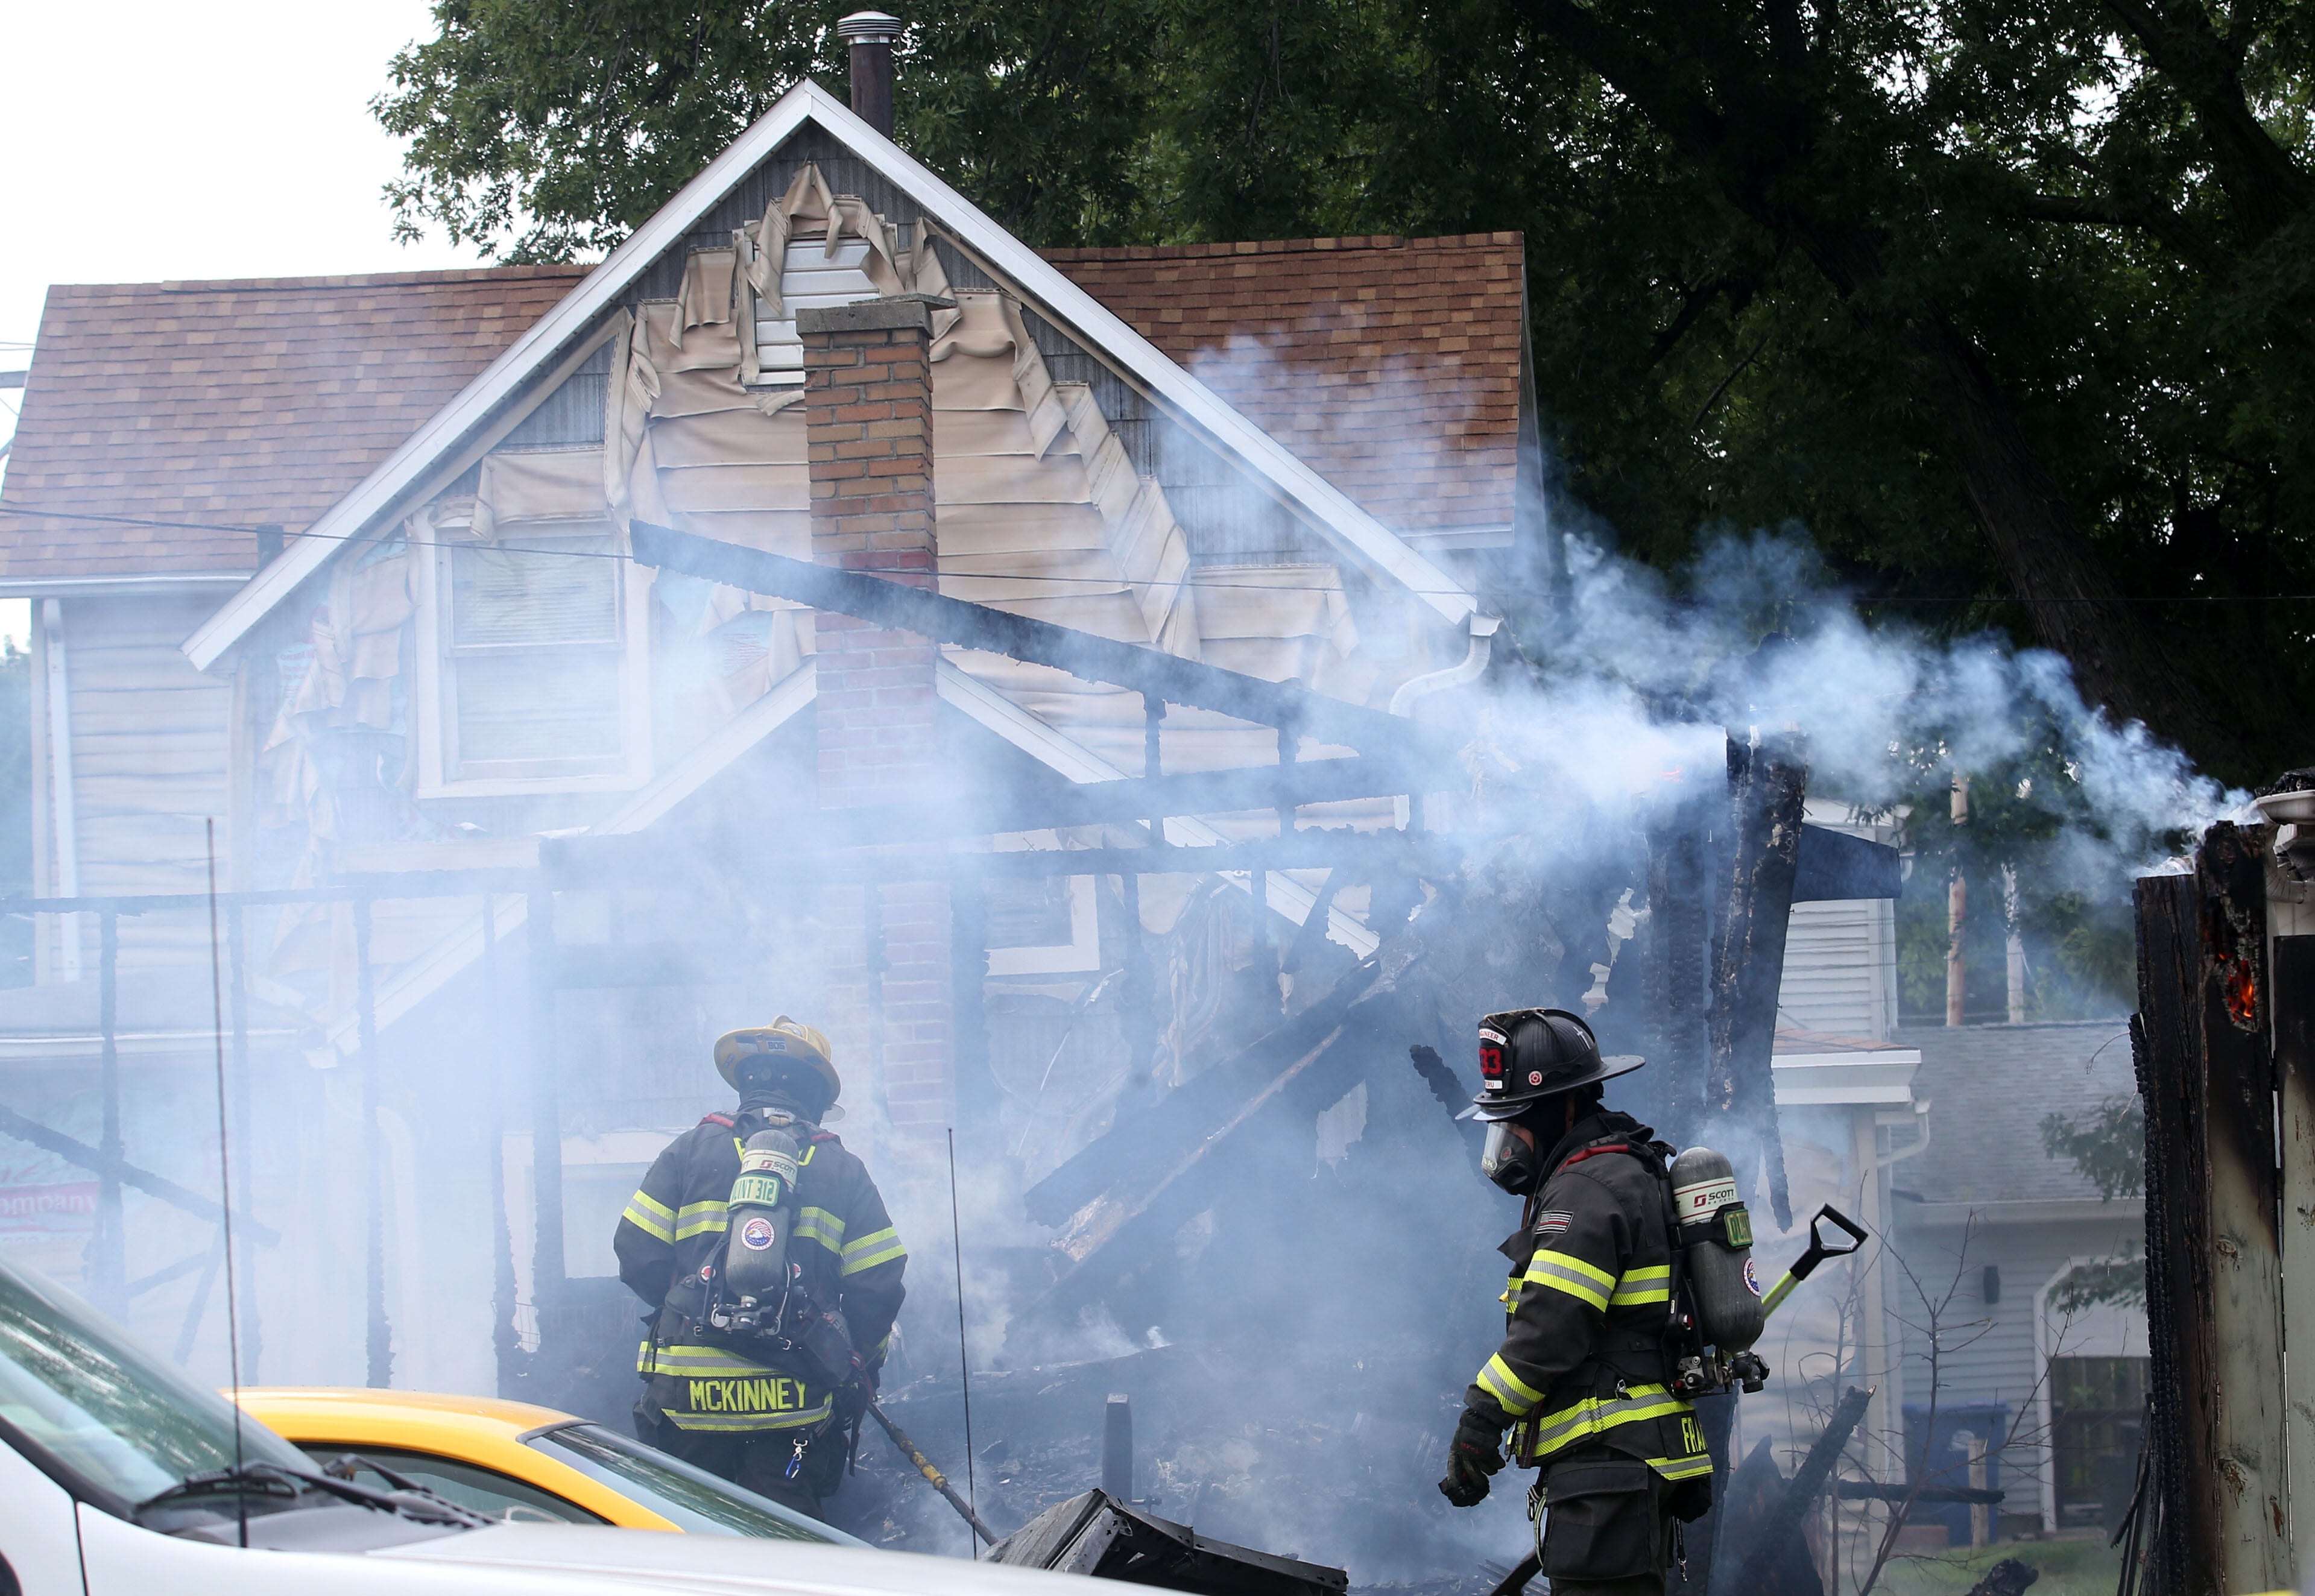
(119, 1418)
(687, 1497)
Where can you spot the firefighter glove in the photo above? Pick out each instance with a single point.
(1476, 1452)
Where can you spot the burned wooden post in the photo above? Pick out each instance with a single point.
(2292, 985)
(1768, 785)
(1679, 938)
(2214, 1260)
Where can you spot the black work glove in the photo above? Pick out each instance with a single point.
(1476, 1452)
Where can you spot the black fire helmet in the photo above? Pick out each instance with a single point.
(1528, 1054)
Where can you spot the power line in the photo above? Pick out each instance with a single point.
(83, 515)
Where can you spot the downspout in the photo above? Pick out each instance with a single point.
(60, 778)
(1415, 689)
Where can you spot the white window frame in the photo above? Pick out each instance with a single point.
(432, 708)
(1081, 952)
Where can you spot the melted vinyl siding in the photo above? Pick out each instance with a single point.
(150, 746)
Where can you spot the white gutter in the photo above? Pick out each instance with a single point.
(118, 587)
(383, 489)
(60, 784)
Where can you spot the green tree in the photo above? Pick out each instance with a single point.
(2006, 301)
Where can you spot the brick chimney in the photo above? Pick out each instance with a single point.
(868, 428)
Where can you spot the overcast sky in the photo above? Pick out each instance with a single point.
(149, 141)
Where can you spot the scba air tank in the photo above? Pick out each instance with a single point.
(1715, 1235)
(761, 1221)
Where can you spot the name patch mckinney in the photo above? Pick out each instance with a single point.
(1550, 1222)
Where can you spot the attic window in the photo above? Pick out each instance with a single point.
(532, 647)
(535, 658)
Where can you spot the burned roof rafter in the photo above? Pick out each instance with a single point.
(958, 621)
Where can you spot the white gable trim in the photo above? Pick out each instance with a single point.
(391, 485)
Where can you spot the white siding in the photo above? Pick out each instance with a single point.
(1840, 968)
(151, 739)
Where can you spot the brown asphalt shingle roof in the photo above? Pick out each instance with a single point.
(1390, 365)
(237, 402)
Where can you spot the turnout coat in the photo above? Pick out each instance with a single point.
(852, 1261)
(1588, 1302)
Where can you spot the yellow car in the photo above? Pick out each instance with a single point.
(519, 1463)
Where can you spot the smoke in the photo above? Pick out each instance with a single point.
(1298, 1345)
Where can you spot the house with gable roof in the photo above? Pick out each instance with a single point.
(339, 572)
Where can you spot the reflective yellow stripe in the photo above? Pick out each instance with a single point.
(1594, 1415)
(1578, 1279)
(688, 1361)
(1680, 1468)
(1514, 1394)
(817, 1224)
(1651, 1284)
(748, 1421)
(649, 1215)
(878, 1247)
(700, 1218)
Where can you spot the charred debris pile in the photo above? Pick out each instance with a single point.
(1289, 1255)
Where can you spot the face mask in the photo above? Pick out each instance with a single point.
(1509, 1160)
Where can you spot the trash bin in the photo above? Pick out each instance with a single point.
(1933, 1457)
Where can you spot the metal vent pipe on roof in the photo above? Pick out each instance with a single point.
(872, 35)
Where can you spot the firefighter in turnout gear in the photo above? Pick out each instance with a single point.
(1581, 1379)
(777, 1412)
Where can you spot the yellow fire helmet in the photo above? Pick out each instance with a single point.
(783, 1038)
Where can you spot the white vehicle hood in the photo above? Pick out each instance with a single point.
(723, 1562)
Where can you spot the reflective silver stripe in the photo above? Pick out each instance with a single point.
(699, 1218)
(727, 1422)
(693, 1361)
(817, 1224)
(1577, 1279)
(649, 1215)
(878, 1247)
(1512, 1394)
(1651, 1284)
(1593, 1415)
(1679, 1468)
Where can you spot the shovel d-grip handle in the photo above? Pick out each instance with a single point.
(1820, 1248)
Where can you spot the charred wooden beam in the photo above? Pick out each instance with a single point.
(1172, 1177)
(1082, 654)
(2213, 1257)
(573, 863)
(1768, 782)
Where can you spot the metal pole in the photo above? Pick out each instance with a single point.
(238, 954)
(108, 1267)
(546, 1117)
(502, 1333)
(377, 1338)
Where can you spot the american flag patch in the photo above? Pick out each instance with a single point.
(1553, 1223)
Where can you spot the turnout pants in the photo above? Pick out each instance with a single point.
(758, 1460)
(1607, 1527)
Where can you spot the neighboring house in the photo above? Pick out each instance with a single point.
(2005, 1237)
(1932, 1139)
(338, 564)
